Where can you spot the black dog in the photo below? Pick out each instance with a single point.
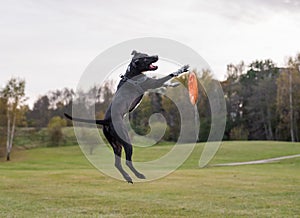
(130, 91)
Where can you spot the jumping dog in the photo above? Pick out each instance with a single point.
(130, 91)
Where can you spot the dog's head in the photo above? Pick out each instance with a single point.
(142, 62)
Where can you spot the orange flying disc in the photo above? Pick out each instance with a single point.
(193, 87)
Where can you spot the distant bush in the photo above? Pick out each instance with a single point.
(54, 130)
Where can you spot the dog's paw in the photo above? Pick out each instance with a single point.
(129, 181)
(171, 84)
(140, 176)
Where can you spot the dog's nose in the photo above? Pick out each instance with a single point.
(156, 57)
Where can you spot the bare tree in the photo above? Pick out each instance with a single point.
(288, 102)
(291, 107)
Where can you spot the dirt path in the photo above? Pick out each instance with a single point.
(257, 161)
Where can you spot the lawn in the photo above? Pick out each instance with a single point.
(60, 182)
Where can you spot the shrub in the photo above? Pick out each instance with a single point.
(54, 130)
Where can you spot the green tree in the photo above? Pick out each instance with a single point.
(39, 115)
(55, 130)
(233, 96)
(14, 97)
(206, 86)
(259, 99)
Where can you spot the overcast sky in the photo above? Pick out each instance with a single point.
(49, 43)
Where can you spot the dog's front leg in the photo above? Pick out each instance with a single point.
(156, 83)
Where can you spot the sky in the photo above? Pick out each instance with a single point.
(49, 43)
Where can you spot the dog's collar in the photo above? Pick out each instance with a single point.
(135, 83)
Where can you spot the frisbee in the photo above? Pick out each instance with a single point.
(193, 87)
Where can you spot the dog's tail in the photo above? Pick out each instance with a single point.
(100, 122)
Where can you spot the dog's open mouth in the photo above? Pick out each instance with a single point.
(152, 67)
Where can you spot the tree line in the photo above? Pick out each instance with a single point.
(262, 99)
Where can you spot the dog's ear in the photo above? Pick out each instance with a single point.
(133, 52)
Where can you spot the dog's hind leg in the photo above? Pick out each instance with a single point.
(124, 139)
(128, 152)
(118, 165)
(117, 147)
(121, 170)
(119, 130)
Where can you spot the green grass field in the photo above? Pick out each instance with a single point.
(60, 182)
